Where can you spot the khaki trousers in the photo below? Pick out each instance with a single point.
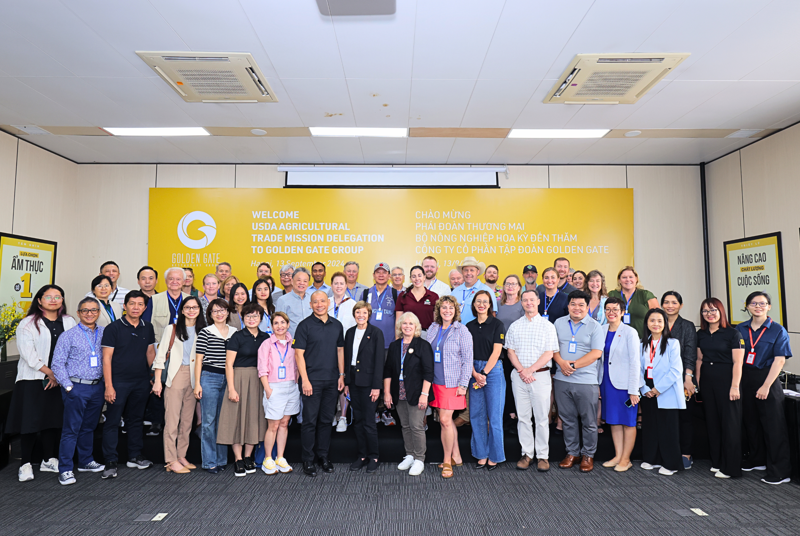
(179, 403)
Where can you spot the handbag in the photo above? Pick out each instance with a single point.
(169, 351)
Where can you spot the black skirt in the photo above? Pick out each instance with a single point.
(33, 409)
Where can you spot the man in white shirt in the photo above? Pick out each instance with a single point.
(430, 266)
(455, 279)
(531, 342)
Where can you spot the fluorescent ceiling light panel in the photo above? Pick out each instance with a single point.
(558, 133)
(162, 132)
(359, 131)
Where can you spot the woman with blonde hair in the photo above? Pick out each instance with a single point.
(452, 369)
(637, 300)
(210, 291)
(227, 285)
(596, 287)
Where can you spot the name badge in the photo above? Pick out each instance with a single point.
(626, 318)
(281, 373)
(573, 347)
(751, 357)
(437, 357)
(378, 315)
(93, 361)
(649, 373)
(546, 317)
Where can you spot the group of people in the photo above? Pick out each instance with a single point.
(249, 359)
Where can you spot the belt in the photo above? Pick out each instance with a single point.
(87, 382)
(543, 369)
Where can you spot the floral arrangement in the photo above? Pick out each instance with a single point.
(10, 317)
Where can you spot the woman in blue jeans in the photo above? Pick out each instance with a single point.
(210, 382)
(488, 384)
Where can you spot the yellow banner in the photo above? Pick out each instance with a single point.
(26, 265)
(198, 228)
(755, 264)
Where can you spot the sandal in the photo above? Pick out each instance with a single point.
(182, 470)
(447, 470)
(452, 464)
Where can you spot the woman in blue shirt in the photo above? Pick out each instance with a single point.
(766, 348)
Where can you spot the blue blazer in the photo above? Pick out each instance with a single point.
(624, 359)
(667, 369)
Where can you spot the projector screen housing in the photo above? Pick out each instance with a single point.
(391, 177)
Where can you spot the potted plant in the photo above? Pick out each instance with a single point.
(10, 317)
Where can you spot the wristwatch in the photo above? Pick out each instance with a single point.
(68, 389)
(341, 374)
(573, 366)
(423, 394)
(483, 372)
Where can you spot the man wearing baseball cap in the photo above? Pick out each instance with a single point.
(530, 274)
(471, 269)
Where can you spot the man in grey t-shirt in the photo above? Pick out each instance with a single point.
(577, 379)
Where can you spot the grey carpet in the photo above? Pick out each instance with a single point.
(505, 501)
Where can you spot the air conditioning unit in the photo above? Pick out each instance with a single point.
(611, 78)
(211, 76)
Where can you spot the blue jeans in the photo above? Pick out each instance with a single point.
(213, 386)
(486, 405)
(82, 407)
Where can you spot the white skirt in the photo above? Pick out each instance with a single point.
(285, 400)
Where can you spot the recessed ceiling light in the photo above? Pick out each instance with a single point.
(558, 133)
(173, 131)
(258, 132)
(359, 131)
(632, 133)
(744, 133)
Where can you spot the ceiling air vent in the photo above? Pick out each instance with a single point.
(611, 78)
(211, 77)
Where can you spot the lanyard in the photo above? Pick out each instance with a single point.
(464, 295)
(109, 310)
(336, 307)
(114, 297)
(268, 327)
(627, 303)
(350, 292)
(241, 321)
(432, 283)
(592, 311)
(575, 332)
(378, 304)
(753, 344)
(403, 356)
(652, 351)
(548, 304)
(283, 357)
(175, 304)
(92, 345)
(442, 334)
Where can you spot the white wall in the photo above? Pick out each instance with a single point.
(756, 191)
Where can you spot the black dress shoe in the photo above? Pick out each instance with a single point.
(326, 465)
(249, 465)
(480, 465)
(358, 464)
(309, 468)
(372, 465)
(492, 467)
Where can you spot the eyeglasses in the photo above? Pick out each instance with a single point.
(193, 308)
(89, 311)
(758, 305)
(252, 316)
(52, 298)
(512, 285)
(218, 311)
(709, 312)
(103, 285)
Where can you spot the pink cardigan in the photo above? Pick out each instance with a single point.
(269, 360)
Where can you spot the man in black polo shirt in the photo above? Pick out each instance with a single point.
(319, 351)
(128, 353)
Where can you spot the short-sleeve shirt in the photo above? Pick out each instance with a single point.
(320, 342)
(130, 344)
(530, 338)
(555, 307)
(588, 335)
(383, 305)
(295, 307)
(508, 314)
(464, 296)
(246, 347)
(637, 307)
(423, 308)
(717, 347)
(774, 342)
(485, 336)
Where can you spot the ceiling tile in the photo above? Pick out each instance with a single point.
(680, 151)
(561, 151)
(536, 114)
(339, 150)
(606, 151)
(21, 57)
(148, 100)
(452, 37)
(384, 150)
(272, 114)
(497, 103)
(767, 113)
(380, 102)
(473, 150)
(249, 150)
(517, 151)
(321, 102)
(380, 46)
(676, 99)
(295, 150)
(35, 107)
(69, 146)
(428, 150)
(301, 42)
(439, 103)
(136, 150)
(529, 37)
(204, 149)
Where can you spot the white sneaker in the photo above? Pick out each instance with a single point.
(714, 470)
(269, 466)
(720, 474)
(66, 478)
(49, 466)
(647, 467)
(147, 423)
(342, 426)
(666, 472)
(25, 473)
(416, 468)
(406, 463)
(283, 465)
